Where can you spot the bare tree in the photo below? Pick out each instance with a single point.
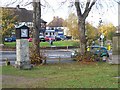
(83, 9)
(81, 22)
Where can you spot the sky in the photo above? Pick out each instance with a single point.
(51, 8)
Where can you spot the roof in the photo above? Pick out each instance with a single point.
(23, 15)
(56, 22)
(22, 26)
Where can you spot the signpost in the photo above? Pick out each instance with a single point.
(22, 47)
(102, 37)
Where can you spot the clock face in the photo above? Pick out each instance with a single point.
(24, 33)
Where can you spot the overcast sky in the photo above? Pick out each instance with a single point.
(52, 8)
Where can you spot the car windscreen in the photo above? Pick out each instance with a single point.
(103, 50)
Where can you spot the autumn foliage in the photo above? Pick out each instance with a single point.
(88, 57)
(8, 22)
(35, 58)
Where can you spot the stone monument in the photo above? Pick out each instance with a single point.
(22, 47)
(116, 42)
(116, 48)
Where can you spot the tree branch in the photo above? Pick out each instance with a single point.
(87, 5)
(11, 3)
(77, 5)
(93, 3)
(88, 8)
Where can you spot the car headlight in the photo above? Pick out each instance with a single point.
(73, 53)
(6, 39)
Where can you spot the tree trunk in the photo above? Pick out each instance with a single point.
(83, 41)
(2, 39)
(81, 22)
(36, 28)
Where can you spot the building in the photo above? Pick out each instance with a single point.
(25, 16)
(54, 32)
(55, 27)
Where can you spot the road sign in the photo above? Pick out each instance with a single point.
(102, 36)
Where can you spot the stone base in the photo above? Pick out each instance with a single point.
(22, 52)
(115, 59)
(24, 67)
(20, 63)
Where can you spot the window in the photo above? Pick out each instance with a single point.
(46, 33)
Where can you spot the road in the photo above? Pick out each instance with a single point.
(51, 54)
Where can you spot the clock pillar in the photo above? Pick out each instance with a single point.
(22, 48)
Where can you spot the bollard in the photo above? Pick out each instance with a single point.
(45, 60)
(7, 62)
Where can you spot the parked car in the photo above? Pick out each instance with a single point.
(47, 38)
(68, 37)
(96, 50)
(63, 37)
(30, 39)
(42, 38)
(13, 39)
(57, 38)
(74, 53)
(8, 39)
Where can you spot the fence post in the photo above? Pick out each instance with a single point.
(59, 59)
(67, 48)
(45, 60)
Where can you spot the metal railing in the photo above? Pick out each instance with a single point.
(57, 58)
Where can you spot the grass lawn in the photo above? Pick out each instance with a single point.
(46, 44)
(70, 75)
